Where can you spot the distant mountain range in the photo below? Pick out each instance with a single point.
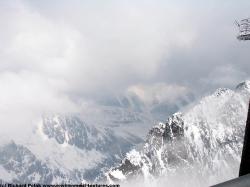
(200, 141)
(63, 149)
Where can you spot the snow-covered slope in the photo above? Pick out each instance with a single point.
(197, 147)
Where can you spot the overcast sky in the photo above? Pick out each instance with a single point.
(54, 54)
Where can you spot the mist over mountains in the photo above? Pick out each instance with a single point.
(205, 139)
(74, 147)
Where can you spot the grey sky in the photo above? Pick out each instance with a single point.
(53, 52)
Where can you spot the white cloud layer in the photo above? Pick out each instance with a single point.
(55, 53)
(107, 49)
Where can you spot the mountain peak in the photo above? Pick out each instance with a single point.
(221, 91)
(205, 138)
(244, 86)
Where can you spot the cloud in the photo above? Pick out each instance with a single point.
(225, 76)
(55, 55)
(24, 98)
(158, 93)
(104, 50)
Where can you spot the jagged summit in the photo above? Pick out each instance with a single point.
(206, 140)
(244, 86)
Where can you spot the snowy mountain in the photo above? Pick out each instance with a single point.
(200, 146)
(63, 149)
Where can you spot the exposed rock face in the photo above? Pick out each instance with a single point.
(203, 143)
(73, 131)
